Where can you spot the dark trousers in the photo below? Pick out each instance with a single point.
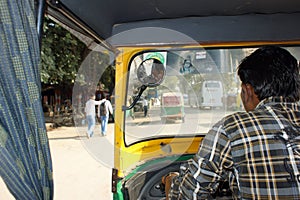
(145, 111)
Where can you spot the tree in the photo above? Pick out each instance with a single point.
(62, 54)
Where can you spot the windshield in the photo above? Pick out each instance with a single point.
(199, 88)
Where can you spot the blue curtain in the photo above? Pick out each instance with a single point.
(25, 160)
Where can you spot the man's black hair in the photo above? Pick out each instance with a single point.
(271, 71)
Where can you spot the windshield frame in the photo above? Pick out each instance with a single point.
(170, 49)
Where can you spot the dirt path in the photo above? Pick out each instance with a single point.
(77, 172)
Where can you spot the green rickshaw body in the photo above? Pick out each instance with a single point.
(172, 106)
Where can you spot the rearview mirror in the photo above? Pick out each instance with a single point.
(151, 72)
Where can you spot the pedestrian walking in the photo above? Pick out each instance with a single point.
(91, 114)
(104, 110)
(145, 105)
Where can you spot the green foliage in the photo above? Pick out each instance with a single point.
(62, 54)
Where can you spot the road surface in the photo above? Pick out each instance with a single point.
(82, 167)
(78, 171)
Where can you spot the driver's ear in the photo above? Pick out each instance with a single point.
(249, 97)
(245, 94)
(250, 92)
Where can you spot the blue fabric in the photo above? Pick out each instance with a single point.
(91, 124)
(25, 160)
(104, 122)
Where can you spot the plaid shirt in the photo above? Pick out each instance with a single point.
(257, 152)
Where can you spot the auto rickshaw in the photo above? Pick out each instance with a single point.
(194, 41)
(172, 106)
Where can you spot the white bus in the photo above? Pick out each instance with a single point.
(211, 94)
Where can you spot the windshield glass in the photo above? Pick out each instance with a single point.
(199, 88)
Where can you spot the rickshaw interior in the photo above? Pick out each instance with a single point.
(195, 42)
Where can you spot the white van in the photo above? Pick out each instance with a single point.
(211, 94)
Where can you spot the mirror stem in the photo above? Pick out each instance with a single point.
(142, 89)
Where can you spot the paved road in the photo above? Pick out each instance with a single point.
(78, 169)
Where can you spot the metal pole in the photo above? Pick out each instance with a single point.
(40, 10)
